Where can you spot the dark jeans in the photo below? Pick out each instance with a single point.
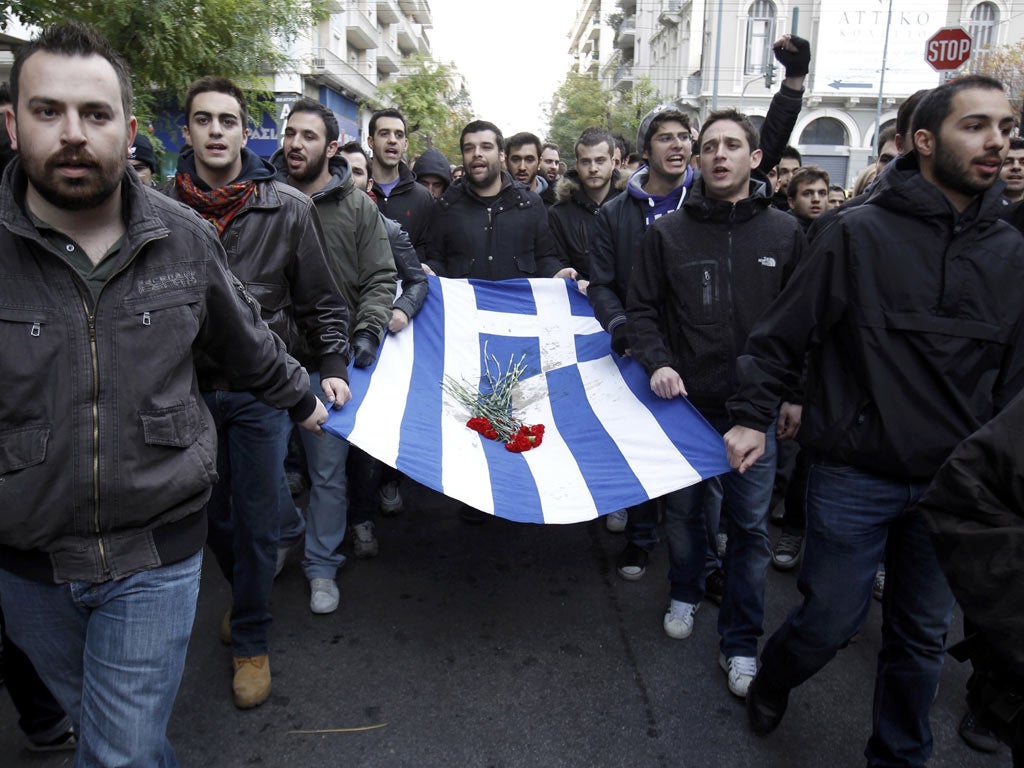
(854, 518)
(244, 510)
(642, 525)
(40, 717)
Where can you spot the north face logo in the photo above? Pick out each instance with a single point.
(766, 261)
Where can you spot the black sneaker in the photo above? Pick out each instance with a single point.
(714, 586)
(66, 741)
(765, 708)
(977, 735)
(631, 563)
(787, 551)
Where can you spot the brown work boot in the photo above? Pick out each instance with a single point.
(225, 628)
(251, 685)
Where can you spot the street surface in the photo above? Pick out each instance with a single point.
(507, 645)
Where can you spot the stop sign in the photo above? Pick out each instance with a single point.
(949, 48)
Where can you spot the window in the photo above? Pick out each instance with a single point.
(982, 28)
(760, 35)
(825, 130)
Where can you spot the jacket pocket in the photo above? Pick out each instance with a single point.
(272, 297)
(697, 285)
(23, 447)
(176, 427)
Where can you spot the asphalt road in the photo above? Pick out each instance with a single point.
(507, 645)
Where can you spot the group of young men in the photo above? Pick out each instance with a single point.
(158, 364)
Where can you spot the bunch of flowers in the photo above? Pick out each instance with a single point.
(490, 406)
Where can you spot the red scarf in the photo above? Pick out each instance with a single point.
(217, 206)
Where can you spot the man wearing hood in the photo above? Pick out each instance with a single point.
(906, 357)
(701, 279)
(275, 247)
(359, 257)
(433, 171)
(659, 187)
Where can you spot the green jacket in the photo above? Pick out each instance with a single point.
(358, 249)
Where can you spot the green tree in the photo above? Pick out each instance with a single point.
(1006, 64)
(435, 106)
(579, 103)
(169, 43)
(629, 108)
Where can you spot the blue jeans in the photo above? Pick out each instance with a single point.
(327, 513)
(854, 520)
(244, 510)
(642, 525)
(745, 506)
(112, 654)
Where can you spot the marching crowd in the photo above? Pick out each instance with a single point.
(844, 348)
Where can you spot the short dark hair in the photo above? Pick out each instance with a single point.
(791, 153)
(888, 134)
(74, 39)
(808, 174)
(733, 116)
(622, 144)
(216, 84)
(352, 148)
(481, 125)
(591, 137)
(521, 139)
(389, 112)
(549, 145)
(1016, 144)
(906, 111)
(331, 129)
(937, 103)
(837, 188)
(665, 116)
(5, 94)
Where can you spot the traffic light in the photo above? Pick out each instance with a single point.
(769, 75)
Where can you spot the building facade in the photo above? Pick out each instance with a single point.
(711, 54)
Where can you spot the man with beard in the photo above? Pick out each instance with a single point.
(550, 162)
(1012, 172)
(359, 255)
(110, 292)
(905, 358)
(487, 225)
(399, 196)
(522, 159)
(702, 277)
(275, 247)
(579, 196)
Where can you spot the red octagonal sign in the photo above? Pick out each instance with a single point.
(949, 48)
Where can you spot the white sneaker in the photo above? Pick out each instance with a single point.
(741, 671)
(616, 521)
(389, 498)
(323, 596)
(364, 543)
(678, 621)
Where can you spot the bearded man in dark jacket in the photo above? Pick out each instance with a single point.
(702, 278)
(487, 225)
(909, 311)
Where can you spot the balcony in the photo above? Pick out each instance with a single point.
(625, 35)
(419, 10)
(388, 11)
(623, 77)
(327, 68)
(360, 30)
(388, 58)
(408, 36)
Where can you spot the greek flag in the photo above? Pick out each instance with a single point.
(609, 441)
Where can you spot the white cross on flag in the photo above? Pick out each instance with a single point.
(609, 441)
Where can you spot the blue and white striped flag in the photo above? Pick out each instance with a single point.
(609, 441)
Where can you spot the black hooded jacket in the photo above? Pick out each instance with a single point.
(573, 219)
(912, 318)
(702, 278)
(410, 204)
